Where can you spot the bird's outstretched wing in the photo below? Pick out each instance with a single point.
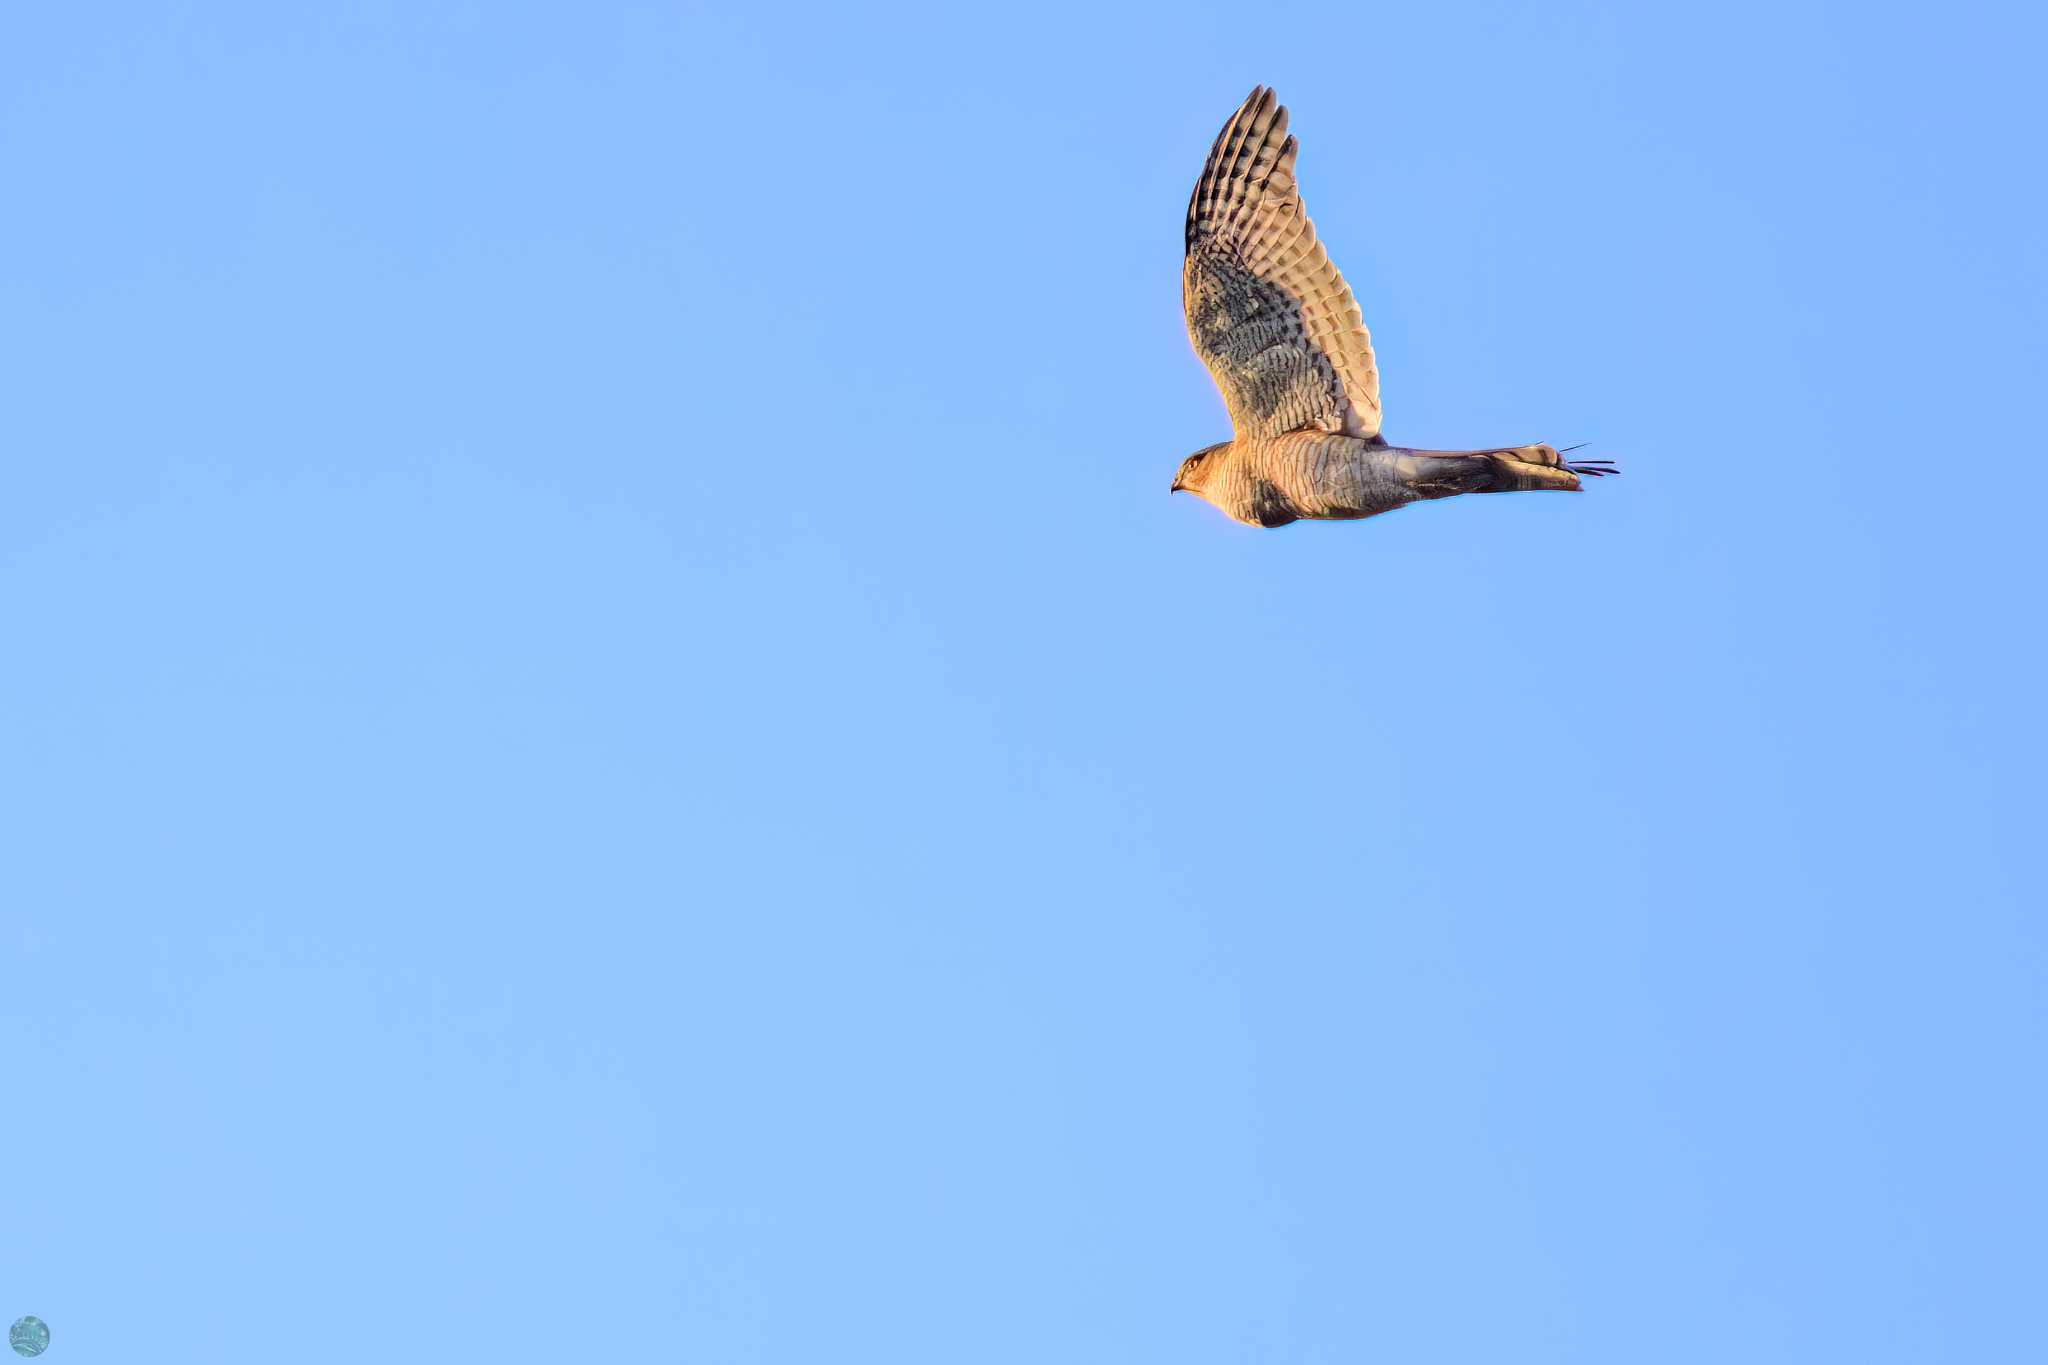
(1267, 312)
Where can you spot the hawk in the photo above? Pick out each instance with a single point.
(1282, 337)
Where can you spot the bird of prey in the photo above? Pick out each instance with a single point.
(1282, 337)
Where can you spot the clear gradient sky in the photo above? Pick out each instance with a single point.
(612, 749)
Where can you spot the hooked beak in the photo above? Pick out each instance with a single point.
(1176, 485)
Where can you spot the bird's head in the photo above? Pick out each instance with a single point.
(1193, 474)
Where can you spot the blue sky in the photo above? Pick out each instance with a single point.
(613, 749)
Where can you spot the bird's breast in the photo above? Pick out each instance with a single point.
(1323, 476)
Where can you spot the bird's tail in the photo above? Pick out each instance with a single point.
(1598, 469)
(1541, 466)
(1502, 469)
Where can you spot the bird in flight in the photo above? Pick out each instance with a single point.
(1282, 337)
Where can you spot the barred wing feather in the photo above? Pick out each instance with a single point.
(1267, 311)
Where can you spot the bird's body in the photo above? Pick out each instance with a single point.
(1328, 476)
(1277, 326)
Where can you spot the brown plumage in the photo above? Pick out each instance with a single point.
(1282, 337)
